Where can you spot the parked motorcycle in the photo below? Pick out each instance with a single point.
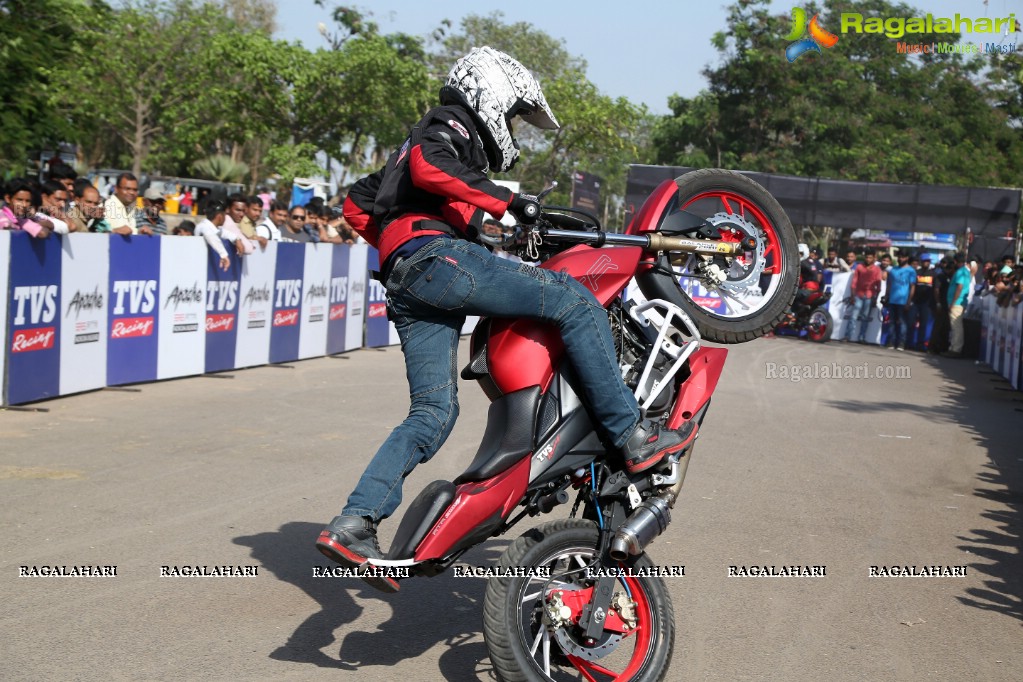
(714, 256)
(809, 317)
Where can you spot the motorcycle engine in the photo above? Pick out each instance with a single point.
(633, 351)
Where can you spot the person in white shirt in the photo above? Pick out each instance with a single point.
(121, 207)
(209, 229)
(270, 228)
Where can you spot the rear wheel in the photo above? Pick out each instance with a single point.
(740, 298)
(530, 624)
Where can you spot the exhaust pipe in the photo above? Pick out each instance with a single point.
(646, 523)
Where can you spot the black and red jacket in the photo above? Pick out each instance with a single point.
(435, 183)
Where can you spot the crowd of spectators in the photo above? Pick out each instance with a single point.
(924, 305)
(65, 203)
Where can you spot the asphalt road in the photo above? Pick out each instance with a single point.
(842, 473)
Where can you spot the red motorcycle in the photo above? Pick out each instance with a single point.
(715, 257)
(809, 316)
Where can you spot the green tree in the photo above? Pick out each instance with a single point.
(37, 38)
(860, 110)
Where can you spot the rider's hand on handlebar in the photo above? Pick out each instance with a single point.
(525, 208)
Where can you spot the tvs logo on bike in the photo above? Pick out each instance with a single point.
(818, 36)
(592, 277)
(548, 451)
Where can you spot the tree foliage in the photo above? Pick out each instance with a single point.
(860, 110)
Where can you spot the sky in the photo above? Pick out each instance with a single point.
(639, 49)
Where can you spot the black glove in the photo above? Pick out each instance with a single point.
(525, 208)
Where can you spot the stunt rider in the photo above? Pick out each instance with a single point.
(423, 211)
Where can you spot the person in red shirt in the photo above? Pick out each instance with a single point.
(864, 289)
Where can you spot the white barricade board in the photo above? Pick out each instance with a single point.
(357, 277)
(255, 307)
(312, 339)
(182, 329)
(5, 272)
(843, 313)
(1017, 346)
(85, 277)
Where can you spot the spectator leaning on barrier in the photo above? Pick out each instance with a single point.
(209, 229)
(88, 211)
(901, 289)
(270, 227)
(121, 209)
(958, 294)
(864, 289)
(921, 311)
(153, 203)
(230, 230)
(19, 210)
(253, 214)
(850, 260)
(53, 206)
(294, 228)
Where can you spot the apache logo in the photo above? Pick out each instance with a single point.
(219, 323)
(141, 296)
(131, 327)
(286, 318)
(254, 295)
(316, 291)
(548, 451)
(85, 301)
(222, 295)
(42, 304)
(179, 295)
(358, 287)
(33, 339)
(818, 36)
(592, 277)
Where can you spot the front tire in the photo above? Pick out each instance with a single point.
(820, 326)
(715, 191)
(514, 630)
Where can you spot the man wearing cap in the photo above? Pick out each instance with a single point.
(921, 309)
(152, 206)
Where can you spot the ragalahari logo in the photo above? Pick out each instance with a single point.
(817, 39)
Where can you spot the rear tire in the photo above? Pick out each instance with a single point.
(714, 327)
(504, 608)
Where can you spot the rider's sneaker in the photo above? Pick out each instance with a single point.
(649, 444)
(352, 541)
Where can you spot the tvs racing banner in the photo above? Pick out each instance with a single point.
(85, 275)
(255, 307)
(33, 361)
(379, 331)
(316, 301)
(182, 330)
(287, 307)
(222, 310)
(5, 264)
(337, 313)
(134, 297)
(358, 259)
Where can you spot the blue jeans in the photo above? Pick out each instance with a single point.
(922, 313)
(898, 316)
(861, 313)
(429, 295)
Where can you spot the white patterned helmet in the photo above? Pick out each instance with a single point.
(498, 88)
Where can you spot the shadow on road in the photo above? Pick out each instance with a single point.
(426, 612)
(985, 406)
